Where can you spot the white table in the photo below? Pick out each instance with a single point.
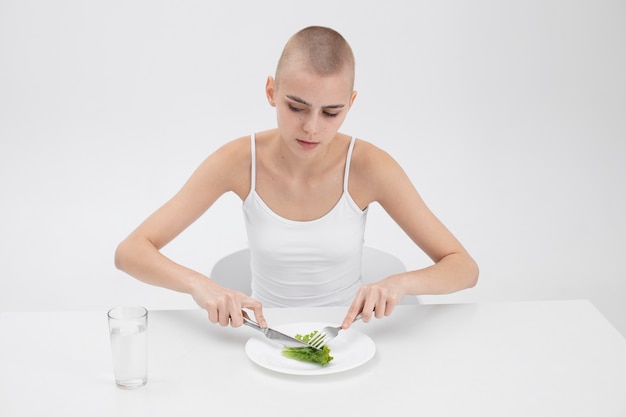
(497, 359)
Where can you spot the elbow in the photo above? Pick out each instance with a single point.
(121, 256)
(472, 274)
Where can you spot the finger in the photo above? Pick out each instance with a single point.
(379, 310)
(370, 307)
(257, 309)
(224, 310)
(389, 308)
(213, 314)
(353, 311)
(236, 317)
(224, 317)
(381, 306)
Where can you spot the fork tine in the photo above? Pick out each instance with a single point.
(318, 343)
(327, 333)
(318, 340)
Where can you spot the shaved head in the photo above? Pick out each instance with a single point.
(321, 49)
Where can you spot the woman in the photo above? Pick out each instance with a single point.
(305, 189)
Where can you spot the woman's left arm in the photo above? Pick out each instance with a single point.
(379, 178)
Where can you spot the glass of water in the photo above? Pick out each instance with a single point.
(128, 330)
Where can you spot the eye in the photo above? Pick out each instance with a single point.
(327, 114)
(294, 108)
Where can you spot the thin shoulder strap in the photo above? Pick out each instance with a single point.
(348, 158)
(253, 164)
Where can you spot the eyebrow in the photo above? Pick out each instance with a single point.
(299, 100)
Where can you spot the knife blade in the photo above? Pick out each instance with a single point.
(275, 335)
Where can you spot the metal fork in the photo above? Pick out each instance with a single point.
(326, 334)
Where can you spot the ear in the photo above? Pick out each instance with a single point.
(270, 91)
(352, 98)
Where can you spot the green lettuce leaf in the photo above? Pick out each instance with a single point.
(308, 354)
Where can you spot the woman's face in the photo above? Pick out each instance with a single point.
(310, 108)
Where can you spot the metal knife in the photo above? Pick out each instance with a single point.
(275, 335)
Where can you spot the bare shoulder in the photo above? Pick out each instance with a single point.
(371, 163)
(368, 154)
(228, 167)
(236, 151)
(374, 173)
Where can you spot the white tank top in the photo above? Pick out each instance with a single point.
(305, 263)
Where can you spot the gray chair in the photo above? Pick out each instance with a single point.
(233, 270)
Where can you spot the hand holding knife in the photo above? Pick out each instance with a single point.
(274, 335)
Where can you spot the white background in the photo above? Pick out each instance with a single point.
(510, 117)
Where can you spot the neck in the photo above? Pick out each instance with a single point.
(301, 162)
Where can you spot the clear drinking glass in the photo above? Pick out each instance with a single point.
(129, 345)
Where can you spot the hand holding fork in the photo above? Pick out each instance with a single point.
(326, 334)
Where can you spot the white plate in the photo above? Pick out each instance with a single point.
(349, 349)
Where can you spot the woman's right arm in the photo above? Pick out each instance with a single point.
(228, 169)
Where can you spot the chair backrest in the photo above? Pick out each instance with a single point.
(233, 270)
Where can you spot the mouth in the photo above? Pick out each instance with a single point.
(307, 144)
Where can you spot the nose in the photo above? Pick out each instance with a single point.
(310, 124)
